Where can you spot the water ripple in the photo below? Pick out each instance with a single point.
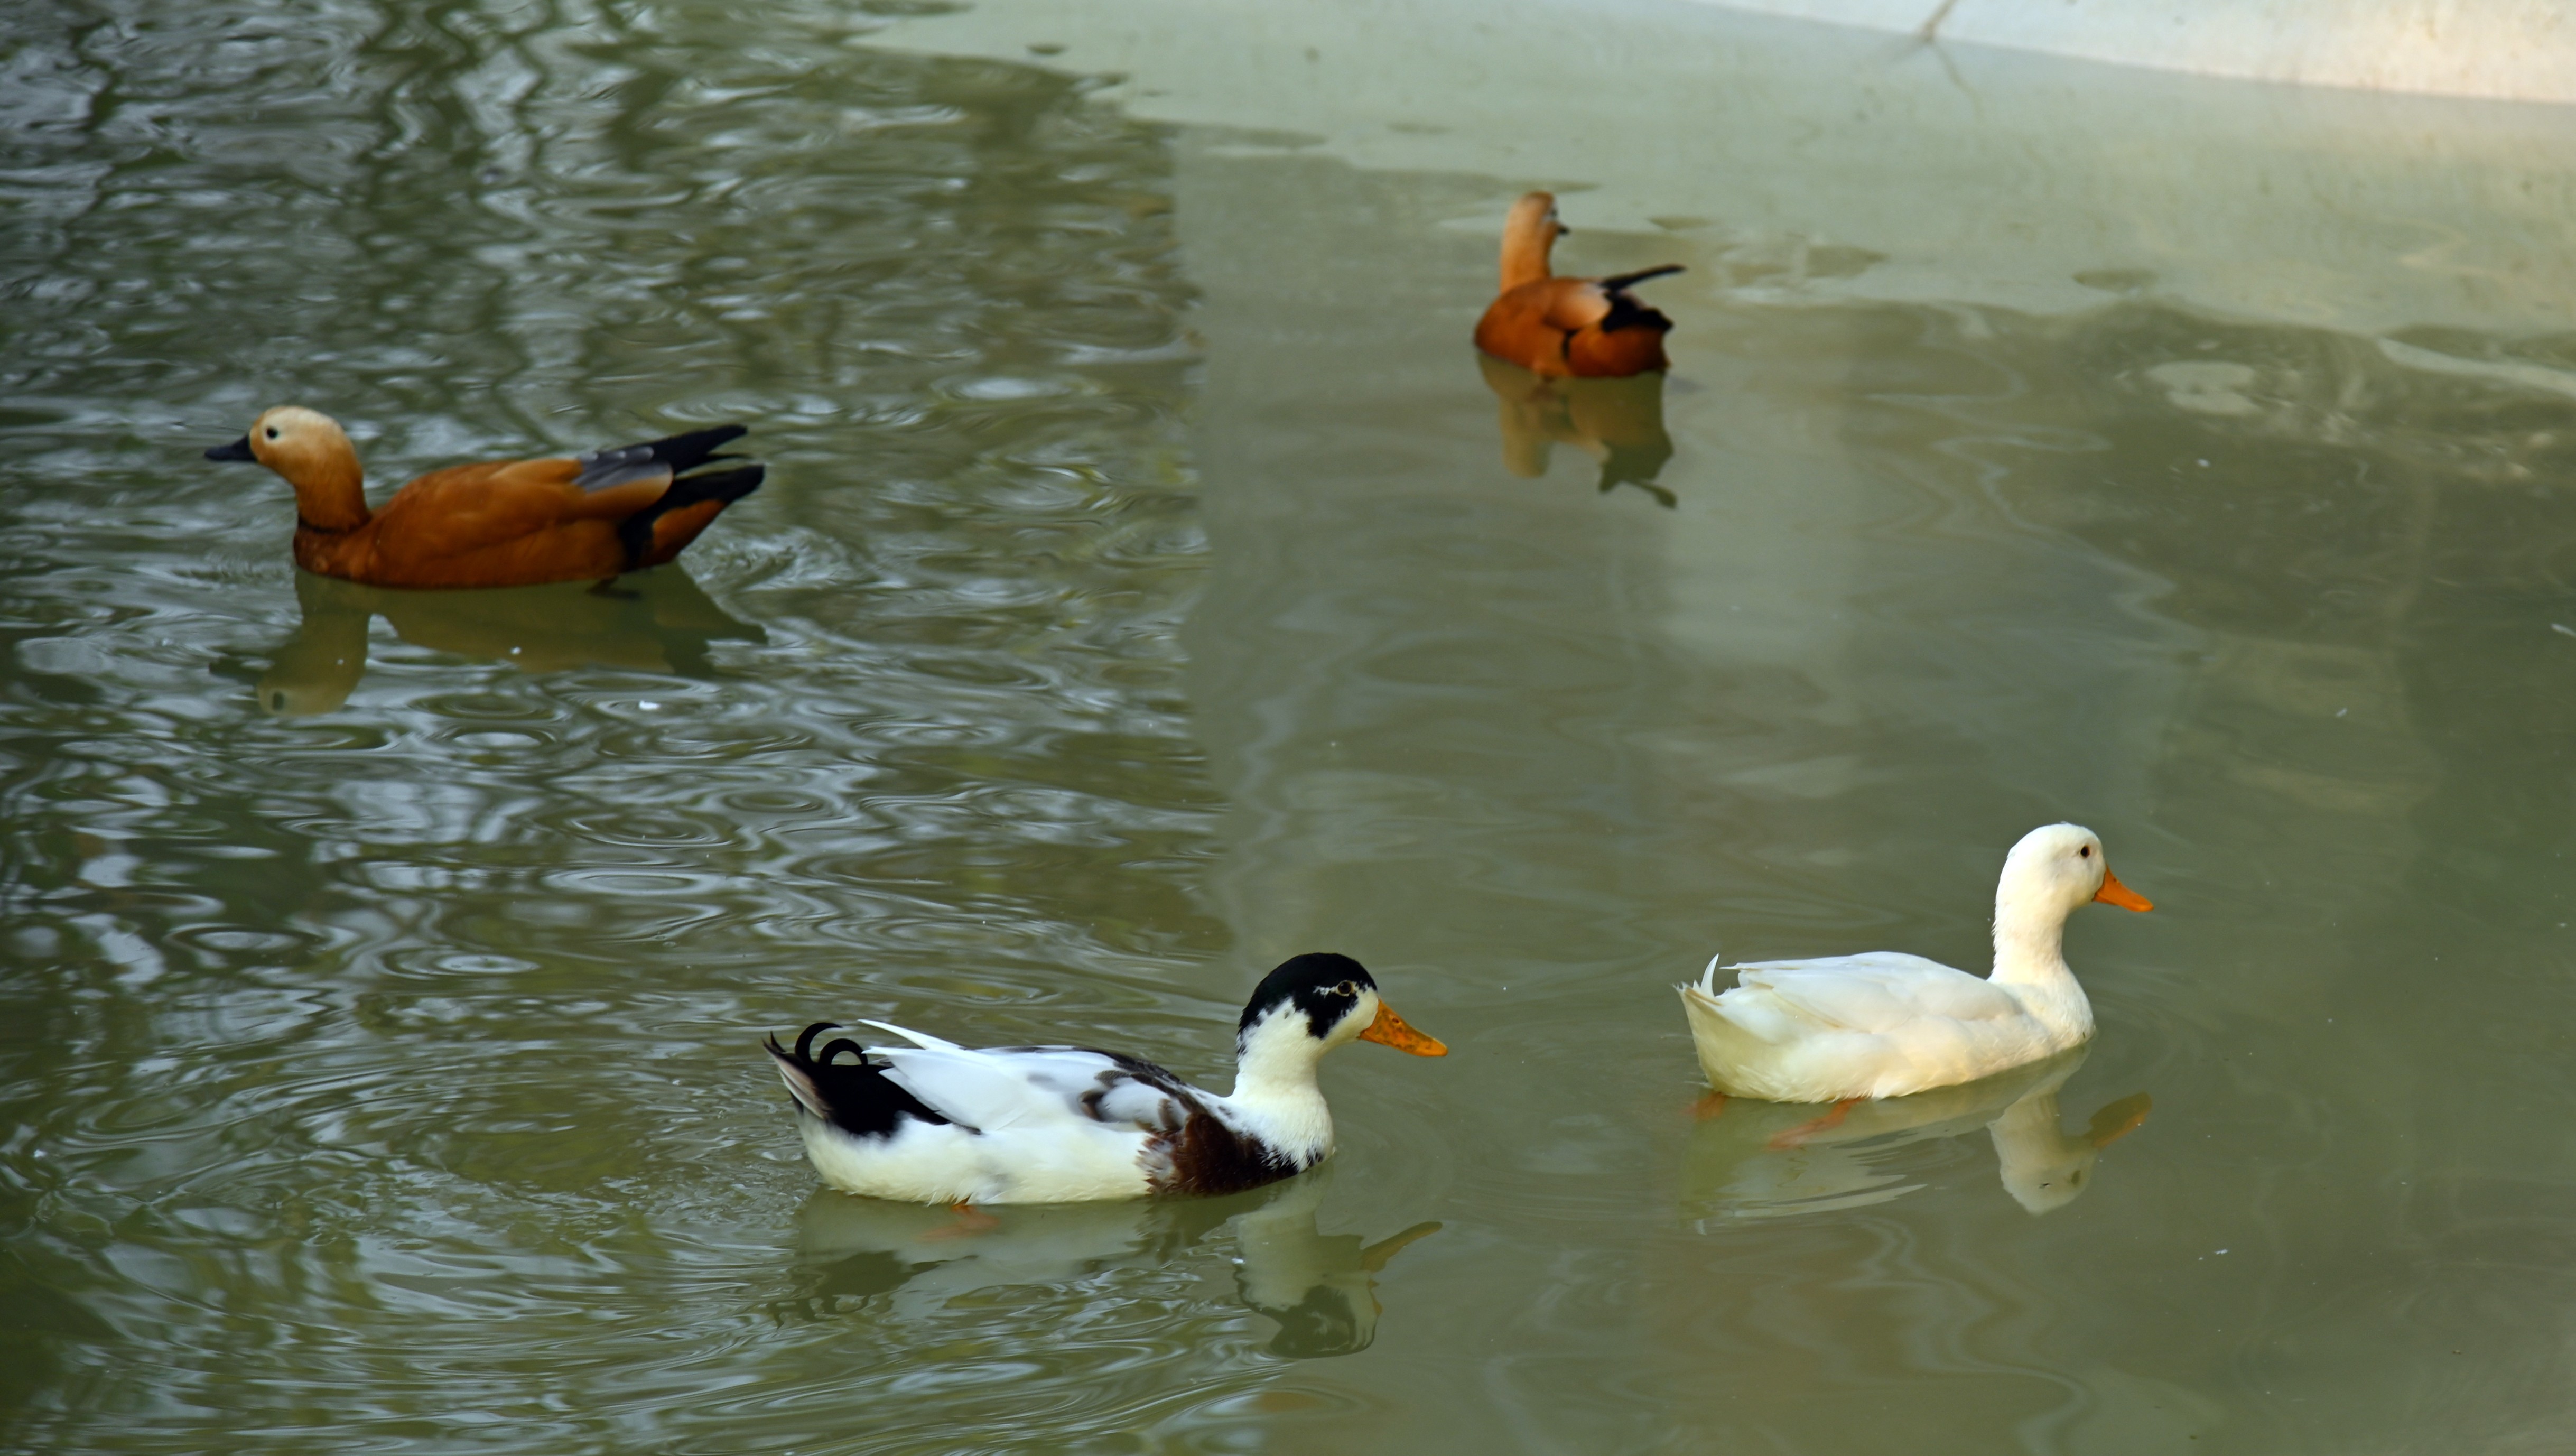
(396, 1030)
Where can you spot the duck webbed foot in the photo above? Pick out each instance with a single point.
(971, 1221)
(1791, 1137)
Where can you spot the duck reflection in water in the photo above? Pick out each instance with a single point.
(1317, 1286)
(658, 621)
(1764, 1159)
(1618, 422)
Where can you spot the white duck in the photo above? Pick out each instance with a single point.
(939, 1123)
(1883, 1024)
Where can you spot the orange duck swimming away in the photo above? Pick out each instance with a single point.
(501, 522)
(1588, 328)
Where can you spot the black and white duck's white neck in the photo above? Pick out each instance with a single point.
(1300, 1011)
(940, 1123)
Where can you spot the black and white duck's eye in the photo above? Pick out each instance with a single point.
(1347, 988)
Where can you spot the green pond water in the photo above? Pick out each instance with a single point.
(1151, 584)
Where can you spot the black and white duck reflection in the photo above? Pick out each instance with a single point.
(910, 1260)
(1749, 1159)
(935, 1122)
(659, 621)
(1618, 422)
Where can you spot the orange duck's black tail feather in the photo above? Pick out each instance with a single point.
(684, 453)
(635, 533)
(1624, 280)
(1625, 311)
(670, 455)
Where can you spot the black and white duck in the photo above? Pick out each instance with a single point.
(934, 1122)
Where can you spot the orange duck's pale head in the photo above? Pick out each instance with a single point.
(1529, 233)
(313, 453)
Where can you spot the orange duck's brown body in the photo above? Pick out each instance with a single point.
(499, 523)
(1584, 328)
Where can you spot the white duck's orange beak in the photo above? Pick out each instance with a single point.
(2115, 893)
(1389, 1030)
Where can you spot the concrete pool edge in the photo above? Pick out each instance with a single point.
(2503, 50)
(1956, 174)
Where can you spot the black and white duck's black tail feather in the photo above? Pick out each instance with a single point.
(855, 1096)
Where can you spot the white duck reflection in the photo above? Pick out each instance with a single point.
(1317, 1286)
(1765, 1159)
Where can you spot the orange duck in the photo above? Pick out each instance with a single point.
(1590, 328)
(498, 523)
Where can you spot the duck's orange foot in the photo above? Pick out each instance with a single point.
(1712, 1105)
(970, 1222)
(2119, 1119)
(1791, 1137)
(1374, 1257)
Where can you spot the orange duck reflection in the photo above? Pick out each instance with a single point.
(1618, 422)
(658, 621)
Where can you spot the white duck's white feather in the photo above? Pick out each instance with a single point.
(1884, 1024)
(1874, 991)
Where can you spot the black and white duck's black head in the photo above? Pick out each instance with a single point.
(1311, 1004)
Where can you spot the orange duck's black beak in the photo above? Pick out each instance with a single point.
(237, 450)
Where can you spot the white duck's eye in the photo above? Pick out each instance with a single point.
(2085, 853)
